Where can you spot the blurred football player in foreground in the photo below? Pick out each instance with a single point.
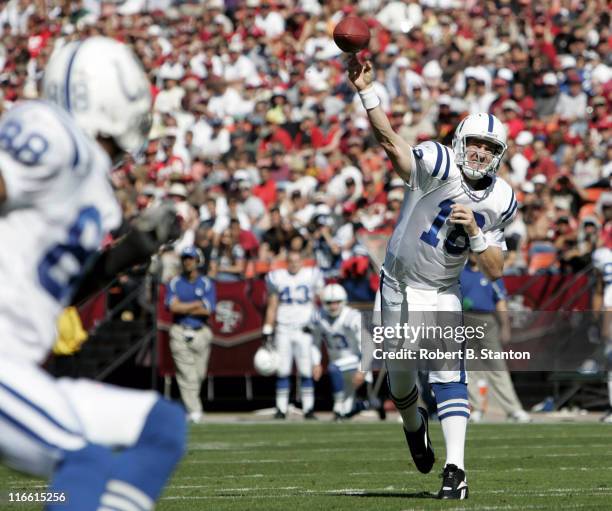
(102, 447)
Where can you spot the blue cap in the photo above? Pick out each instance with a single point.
(190, 252)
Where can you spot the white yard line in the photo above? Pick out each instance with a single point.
(15, 483)
(292, 447)
(358, 492)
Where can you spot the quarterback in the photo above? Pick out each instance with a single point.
(102, 447)
(454, 203)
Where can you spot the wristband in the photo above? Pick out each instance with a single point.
(369, 98)
(267, 330)
(478, 243)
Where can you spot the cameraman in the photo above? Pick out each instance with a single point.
(327, 251)
(566, 194)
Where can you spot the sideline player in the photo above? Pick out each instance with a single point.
(291, 296)
(454, 202)
(102, 447)
(338, 326)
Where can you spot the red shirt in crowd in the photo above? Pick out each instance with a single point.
(248, 242)
(266, 192)
(515, 126)
(317, 139)
(544, 166)
(279, 135)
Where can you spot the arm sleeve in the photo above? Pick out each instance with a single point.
(432, 160)
(495, 236)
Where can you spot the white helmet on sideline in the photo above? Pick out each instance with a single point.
(333, 293)
(266, 361)
(482, 127)
(104, 87)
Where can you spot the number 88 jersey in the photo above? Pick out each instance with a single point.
(59, 205)
(426, 251)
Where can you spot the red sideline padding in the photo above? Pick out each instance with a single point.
(236, 327)
(241, 305)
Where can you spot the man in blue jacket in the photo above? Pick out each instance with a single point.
(192, 298)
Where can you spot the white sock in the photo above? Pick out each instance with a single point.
(347, 406)
(338, 402)
(307, 399)
(282, 399)
(454, 428)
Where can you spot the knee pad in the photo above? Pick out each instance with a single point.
(451, 399)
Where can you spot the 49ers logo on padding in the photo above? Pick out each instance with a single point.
(229, 316)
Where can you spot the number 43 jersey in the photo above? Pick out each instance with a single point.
(425, 250)
(59, 206)
(296, 294)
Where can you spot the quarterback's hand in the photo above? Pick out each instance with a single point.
(361, 75)
(463, 215)
(160, 221)
(317, 372)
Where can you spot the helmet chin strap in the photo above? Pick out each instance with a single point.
(473, 173)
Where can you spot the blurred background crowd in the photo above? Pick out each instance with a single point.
(263, 145)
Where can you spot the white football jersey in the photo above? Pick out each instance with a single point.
(427, 252)
(341, 335)
(60, 205)
(296, 294)
(602, 260)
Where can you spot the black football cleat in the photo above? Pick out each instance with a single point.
(420, 445)
(279, 415)
(454, 485)
(310, 416)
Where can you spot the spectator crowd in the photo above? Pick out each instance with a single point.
(262, 143)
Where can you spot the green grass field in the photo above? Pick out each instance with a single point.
(366, 466)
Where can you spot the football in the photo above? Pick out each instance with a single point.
(352, 34)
